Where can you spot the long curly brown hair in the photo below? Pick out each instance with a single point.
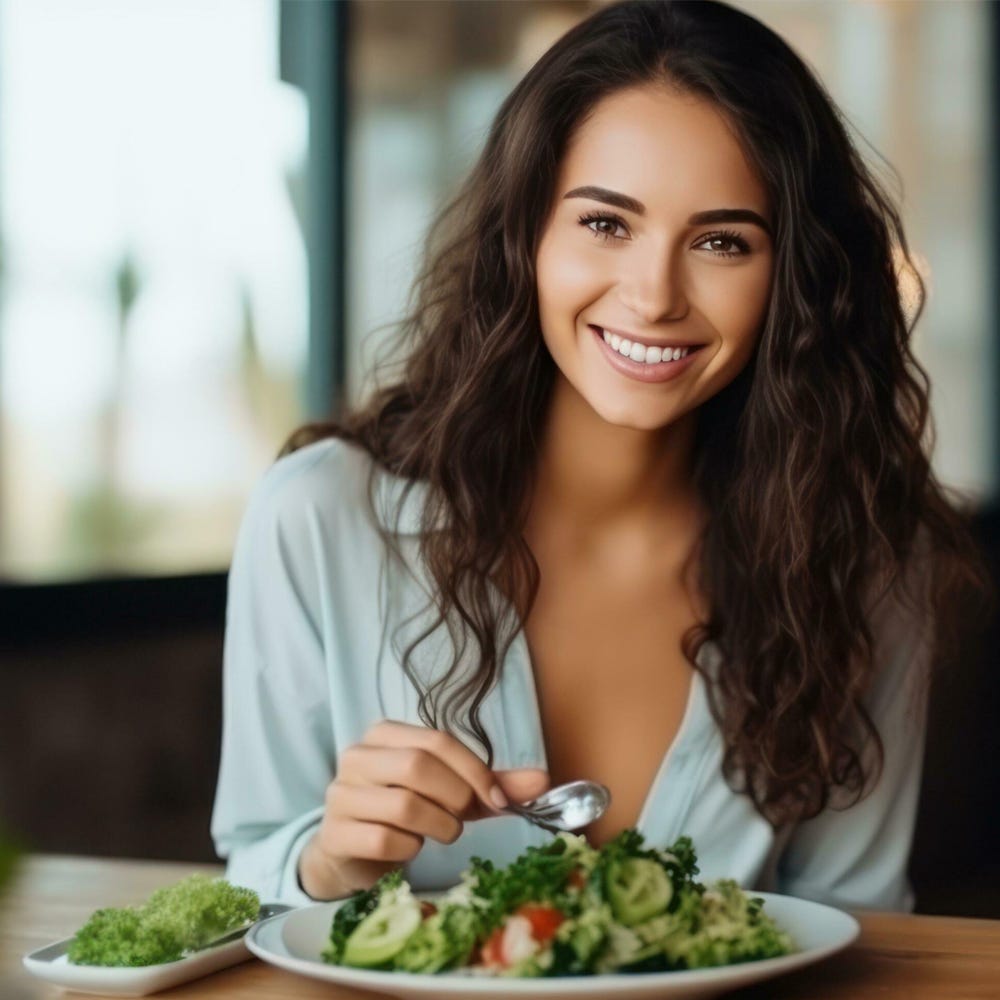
(812, 464)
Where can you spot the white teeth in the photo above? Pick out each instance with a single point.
(640, 352)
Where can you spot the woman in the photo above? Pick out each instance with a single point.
(647, 504)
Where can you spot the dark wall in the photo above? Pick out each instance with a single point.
(111, 747)
(956, 861)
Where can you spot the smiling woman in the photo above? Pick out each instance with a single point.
(669, 276)
(647, 503)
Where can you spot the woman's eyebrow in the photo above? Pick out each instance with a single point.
(608, 197)
(630, 204)
(729, 215)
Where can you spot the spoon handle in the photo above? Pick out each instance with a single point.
(532, 818)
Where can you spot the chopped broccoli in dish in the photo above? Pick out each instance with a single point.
(172, 923)
(564, 909)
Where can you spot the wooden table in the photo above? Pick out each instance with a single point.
(897, 956)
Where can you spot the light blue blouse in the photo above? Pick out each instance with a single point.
(316, 621)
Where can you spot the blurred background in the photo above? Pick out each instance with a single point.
(210, 213)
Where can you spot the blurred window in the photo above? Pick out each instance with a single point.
(913, 78)
(153, 280)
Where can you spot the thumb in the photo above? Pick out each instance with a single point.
(523, 784)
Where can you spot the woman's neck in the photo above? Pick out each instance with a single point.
(596, 477)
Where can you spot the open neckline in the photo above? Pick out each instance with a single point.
(523, 676)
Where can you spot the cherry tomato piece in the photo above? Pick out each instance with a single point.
(490, 954)
(544, 920)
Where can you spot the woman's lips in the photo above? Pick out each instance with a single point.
(660, 371)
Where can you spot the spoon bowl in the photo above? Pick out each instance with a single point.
(566, 807)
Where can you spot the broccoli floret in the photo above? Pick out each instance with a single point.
(443, 941)
(734, 928)
(577, 847)
(718, 926)
(200, 909)
(174, 921)
(579, 940)
(538, 876)
(115, 936)
(681, 857)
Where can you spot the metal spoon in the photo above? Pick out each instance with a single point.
(565, 807)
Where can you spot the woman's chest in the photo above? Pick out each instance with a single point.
(612, 685)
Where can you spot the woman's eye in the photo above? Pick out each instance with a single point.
(604, 226)
(725, 244)
(611, 228)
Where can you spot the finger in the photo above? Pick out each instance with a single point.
(407, 767)
(523, 784)
(343, 837)
(398, 807)
(446, 748)
(520, 785)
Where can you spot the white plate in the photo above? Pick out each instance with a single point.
(294, 941)
(50, 963)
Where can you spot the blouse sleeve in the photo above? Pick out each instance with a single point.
(277, 743)
(856, 858)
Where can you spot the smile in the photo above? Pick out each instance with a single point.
(646, 363)
(641, 353)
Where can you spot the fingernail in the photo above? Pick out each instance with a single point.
(498, 798)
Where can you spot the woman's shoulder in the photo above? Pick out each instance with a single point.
(328, 475)
(336, 483)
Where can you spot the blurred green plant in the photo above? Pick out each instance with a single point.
(102, 527)
(273, 399)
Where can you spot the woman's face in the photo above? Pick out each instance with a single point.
(659, 242)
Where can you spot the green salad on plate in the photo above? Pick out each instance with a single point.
(173, 923)
(563, 909)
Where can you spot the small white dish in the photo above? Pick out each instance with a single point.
(50, 963)
(294, 940)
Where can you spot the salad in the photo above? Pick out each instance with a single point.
(174, 922)
(563, 909)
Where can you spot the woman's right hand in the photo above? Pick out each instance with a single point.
(398, 786)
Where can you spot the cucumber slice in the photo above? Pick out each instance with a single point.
(638, 888)
(383, 933)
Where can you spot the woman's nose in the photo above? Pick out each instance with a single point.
(654, 290)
